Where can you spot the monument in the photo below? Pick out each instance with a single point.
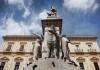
(49, 53)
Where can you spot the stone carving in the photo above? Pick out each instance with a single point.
(56, 42)
(37, 49)
(52, 12)
(66, 52)
(51, 45)
(45, 49)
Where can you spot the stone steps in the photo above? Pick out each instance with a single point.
(52, 64)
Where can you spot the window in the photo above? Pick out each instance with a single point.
(81, 66)
(21, 48)
(17, 66)
(96, 66)
(2, 65)
(89, 45)
(95, 61)
(77, 45)
(81, 61)
(18, 60)
(10, 42)
(9, 48)
(23, 42)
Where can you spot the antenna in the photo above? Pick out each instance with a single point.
(52, 3)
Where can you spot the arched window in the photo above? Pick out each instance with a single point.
(3, 62)
(80, 59)
(81, 64)
(95, 62)
(94, 59)
(17, 64)
(18, 59)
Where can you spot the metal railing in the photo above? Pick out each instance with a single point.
(79, 51)
(92, 51)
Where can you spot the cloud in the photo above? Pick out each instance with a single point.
(35, 28)
(15, 1)
(11, 27)
(22, 5)
(26, 13)
(81, 5)
(43, 14)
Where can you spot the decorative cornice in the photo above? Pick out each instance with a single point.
(18, 53)
(87, 38)
(20, 37)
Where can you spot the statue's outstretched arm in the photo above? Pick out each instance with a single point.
(53, 32)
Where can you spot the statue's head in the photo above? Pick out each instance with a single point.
(52, 27)
(38, 40)
(65, 38)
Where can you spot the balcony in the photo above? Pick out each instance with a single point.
(92, 51)
(20, 52)
(79, 51)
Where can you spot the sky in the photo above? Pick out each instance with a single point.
(23, 17)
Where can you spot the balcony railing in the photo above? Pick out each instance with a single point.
(92, 51)
(20, 51)
(7, 51)
(15, 52)
(79, 51)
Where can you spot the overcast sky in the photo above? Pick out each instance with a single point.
(22, 17)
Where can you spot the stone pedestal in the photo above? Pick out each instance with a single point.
(51, 64)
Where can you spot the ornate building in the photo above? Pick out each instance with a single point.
(52, 51)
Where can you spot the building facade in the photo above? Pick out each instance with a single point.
(18, 50)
